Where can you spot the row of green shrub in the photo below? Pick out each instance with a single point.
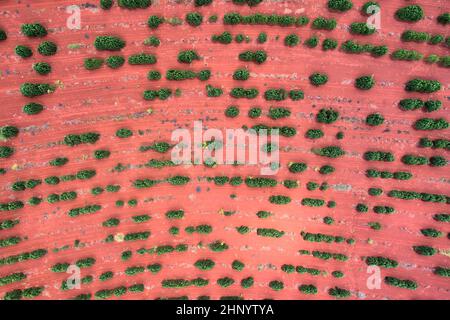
(325, 255)
(398, 175)
(320, 237)
(31, 90)
(147, 183)
(435, 161)
(8, 224)
(422, 85)
(434, 144)
(161, 94)
(284, 131)
(412, 195)
(11, 206)
(28, 293)
(163, 249)
(414, 104)
(84, 138)
(32, 255)
(354, 47)
(419, 37)
(428, 124)
(400, 283)
(88, 209)
(11, 278)
(234, 18)
(178, 74)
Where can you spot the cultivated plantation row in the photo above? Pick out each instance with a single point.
(357, 206)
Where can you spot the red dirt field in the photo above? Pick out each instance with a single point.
(105, 100)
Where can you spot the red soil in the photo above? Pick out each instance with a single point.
(105, 100)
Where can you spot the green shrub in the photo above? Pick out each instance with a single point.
(161, 94)
(239, 92)
(279, 199)
(308, 289)
(112, 222)
(318, 79)
(247, 282)
(383, 210)
(241, 74)
(154, 75)
(31, 90)
(431, 124)
(339, 292)
(154, 21)
(23, 51)
(327, 116)
(411, 13)
(330, 152)
(381, 262)
(364, 82)
(361, 28)
(142, 59)
(258, 56)
(3, 35)
(134, 4)
(314, 134)
(310, 202)
(115, 62)
(213, 91)
(326, 169)
(432, 105)
(33, 30)
(76, 139)
(438, 161)
(106, 4)
(297, 167)
(204, 264)
(269, 232)
(378, 156)
(410, 104)
(93, 63)
(199, 3)
(291, 40)
(441, 271)
(322, 23)
(85, 174)
(8, 132)
(431, 232)
(6, 152)
(47, 48)
(262, 37)
(60, 267)
(329, 44)
(415, 36)
(276, 285)
(374, 119)
(422, 85)
(85, 262)
(224, 38)
(339, 5)
(152, 41)
(194, 19)
(337, 274)
(188, 56)
(408, 55)
(312, 42)
(444, 18)
(109, 43)
(395, 282)
(124, 133)
(174, 214)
